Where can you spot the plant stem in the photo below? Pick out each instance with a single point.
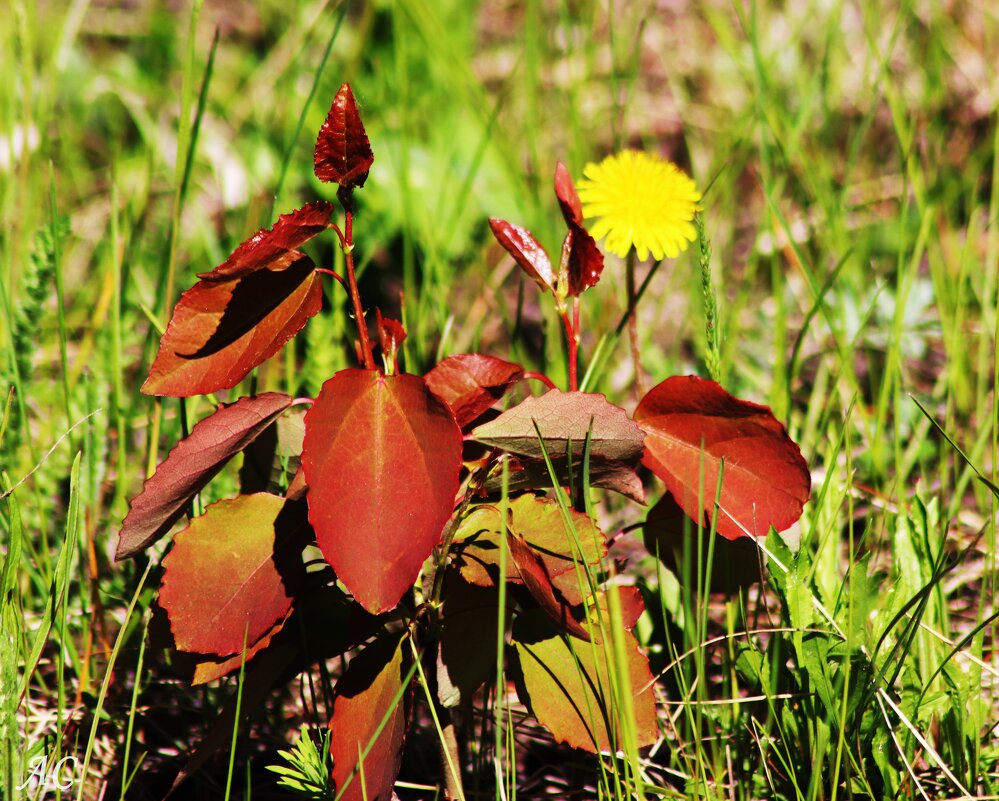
(570, 337)
(636, 353)
(355, 296)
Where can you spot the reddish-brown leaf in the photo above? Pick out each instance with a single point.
(568, 198)
(232, 573)
(604, 473)
(692, 426)
(343, 153)
(539, 523)
(391, 334)
(371, 690)
(565, 682)
(471, 383)
(220, 330)
(583, 259)
(735, 564)
(192, 463)
(209, 668)
(562, 417)
(381, 457)
(535, 577)
(526, 251)
(275, 249)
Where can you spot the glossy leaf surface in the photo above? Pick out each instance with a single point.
(526, 251)
(232, 573)
(220, 330)
(560, 417)
(192, 463)
(565, 682)
(583, 259)
(471, 383)
(568, 198)
(343, 153)
(381, 457)
(692, 426)
(370, 689)
(276, 248)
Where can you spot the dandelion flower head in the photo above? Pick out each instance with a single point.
(640, 200)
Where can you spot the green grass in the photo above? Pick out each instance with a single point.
(849, 155)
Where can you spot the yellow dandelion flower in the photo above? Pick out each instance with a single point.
(642, 201)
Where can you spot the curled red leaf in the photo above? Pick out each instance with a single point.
(526, 251)
(568, 198)
(471, 383)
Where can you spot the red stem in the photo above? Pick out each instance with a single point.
(355, 296)
(337, 276)
(570, 336)
(540, 377)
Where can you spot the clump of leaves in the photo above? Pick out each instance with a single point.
(407, 477)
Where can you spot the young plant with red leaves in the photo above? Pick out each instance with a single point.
(400, 489)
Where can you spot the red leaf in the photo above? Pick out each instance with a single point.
(583, 259)
(212, 668)
(604, 473)
(566, 684)
(526, 251)
(391, 334)
(232, 572)
(539, 523)
(692, 426)
(275, 249)
(370, 690)
(343, 153)
(562, 417)
(471, 383)
(191, 465)
(539, 584)
(220, 330)
(735, 563)
(568, 199)
(381, 457)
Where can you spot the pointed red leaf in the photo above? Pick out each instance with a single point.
(692, 426)
(275, 249)
(526, 251)
(535, 577)
(232, 572)
(471, 383)
(735, 564)
(343, 153)
(563, 417)
(221, 330)
(566, 685)
(391, 335)
(365, 767)
(192, 463)
(381, 457)
(583, 258)
(568, 199)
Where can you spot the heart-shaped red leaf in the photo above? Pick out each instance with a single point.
(365, 765)
(692, 426)
(232, 573)
(381, 457)
(562, 417)
(526, 251)
(471, 383)
(343, 153)
(566, 685)
(583, 259)
(192, 463)
(568, 198)
(275, 248)
(220, 330)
